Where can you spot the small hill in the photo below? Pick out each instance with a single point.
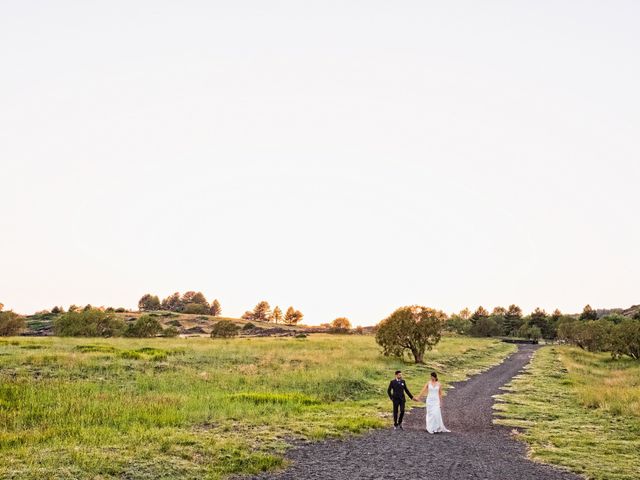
(41, 324)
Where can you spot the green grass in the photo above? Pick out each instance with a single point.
(579, 410)
(195, 408)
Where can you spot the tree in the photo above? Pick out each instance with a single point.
(195, 297)
(625, 339)
(458, 324)
(145, 326)
(512, 320)
(148, 303)
(173, 302)
(588, 313)
(465, 314)
(540, 320)
(216, 309)
(224, 329)
(293, 317)
(262, 311)
(276, 315)
(57, 310)
(499, 311)
(1, 306)
(485, 327)
(480, 312)
(412, 328)
(10, 323)
(341, 324)
(248, 315)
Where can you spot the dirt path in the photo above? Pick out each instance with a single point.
(475, 449)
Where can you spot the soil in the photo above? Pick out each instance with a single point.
(475, 448)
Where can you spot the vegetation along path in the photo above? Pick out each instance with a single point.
(475, 449)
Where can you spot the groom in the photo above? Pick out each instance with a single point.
(396, 390)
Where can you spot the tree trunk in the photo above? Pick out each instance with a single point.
(418, 356)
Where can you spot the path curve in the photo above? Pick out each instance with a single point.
(475, 449)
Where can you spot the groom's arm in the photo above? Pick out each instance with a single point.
(407, 390)
(390, 389)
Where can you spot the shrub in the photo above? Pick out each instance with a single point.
(145, 326)
(11, 324)
(88, 323)
(170, 331)
(120, 310)
(224, 329)
(248, 326)
(341, 324)
(413, 328)
(196, 308)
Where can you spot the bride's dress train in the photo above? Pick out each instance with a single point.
(434, 416)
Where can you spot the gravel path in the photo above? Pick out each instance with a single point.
(475, 448)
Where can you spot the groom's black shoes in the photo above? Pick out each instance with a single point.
(400, 427)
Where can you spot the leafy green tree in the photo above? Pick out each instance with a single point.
(625, 339)
(413, 328)
(276, 315)
(224, 329)
(485, 327)
(11, 323)
(292, 316)
(512, 320)
(458, 324)
(588, 313)
(540, 319)
(216, 309)
(148, 303)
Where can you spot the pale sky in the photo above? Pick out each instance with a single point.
(343, 157)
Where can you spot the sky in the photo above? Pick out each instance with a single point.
(346, 158)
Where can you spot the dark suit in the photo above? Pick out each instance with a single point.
(396, 394)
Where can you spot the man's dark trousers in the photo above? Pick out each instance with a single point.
(398, 405)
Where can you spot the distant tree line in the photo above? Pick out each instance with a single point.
(10, 323)
(262, 312)
(188, 302)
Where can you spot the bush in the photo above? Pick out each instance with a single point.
(196, 308)
(224, 329)
(170, 331)
(248, 326)
(11, 324)
(144, 327)
(88, 323)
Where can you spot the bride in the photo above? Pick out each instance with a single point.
(434, 400)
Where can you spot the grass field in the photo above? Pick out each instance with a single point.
(195, 408)
(580, 410)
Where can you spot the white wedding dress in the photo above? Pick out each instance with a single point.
(434, 416)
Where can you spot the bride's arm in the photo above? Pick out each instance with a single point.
(440, 394)
(419, 396)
